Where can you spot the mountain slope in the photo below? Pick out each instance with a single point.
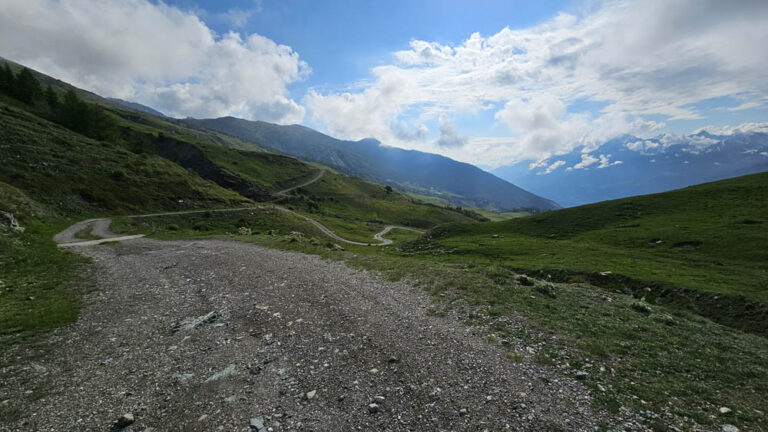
(705, 246)
(647, 166)
(136, 107)
(71, 174)
(413, 171)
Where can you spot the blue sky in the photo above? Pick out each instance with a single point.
(343, 40)
(488, 82)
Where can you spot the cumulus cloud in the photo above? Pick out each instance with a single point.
(155, 54)
(361, 115)
(542, 123)
(670, 56)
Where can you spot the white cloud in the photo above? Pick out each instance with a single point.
(155, 54)
(746, 106)
(361, 115)
(670, 56)
(449, 136)
(605, 162)
(542, 123)
(539, 164)
(642, 145)
(691, 143)
(555, 165)
(236, 17)
(744, 128)
(587, 160)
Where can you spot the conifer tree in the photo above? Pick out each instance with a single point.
(7, 80)
(27, 88)
(52, 98)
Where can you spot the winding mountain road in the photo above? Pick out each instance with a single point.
(100, 227)
(284, 192)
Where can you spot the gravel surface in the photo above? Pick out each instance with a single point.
(213, 335)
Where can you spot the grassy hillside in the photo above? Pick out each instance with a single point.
(358, 209)
(267, 170)
(711, 237)
(72, 174)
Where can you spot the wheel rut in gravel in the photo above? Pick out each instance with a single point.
(214, 335)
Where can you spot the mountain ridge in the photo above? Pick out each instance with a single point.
(411, 170)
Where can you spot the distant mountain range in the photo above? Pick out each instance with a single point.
(410, 170)
(629, 165)
(136, 107)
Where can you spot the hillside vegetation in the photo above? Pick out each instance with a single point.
(72, 174)
(358, 209)
(710, 237)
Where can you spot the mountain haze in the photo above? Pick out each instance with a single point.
(411, 170)
(628, 165)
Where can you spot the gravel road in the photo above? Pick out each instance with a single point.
(214, 335)
(284, 192)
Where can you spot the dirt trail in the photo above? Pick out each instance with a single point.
(333, 235)
(214, 335)
(100, 228)
(307, 183)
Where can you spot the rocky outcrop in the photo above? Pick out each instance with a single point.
(9, 223)
(192, 158)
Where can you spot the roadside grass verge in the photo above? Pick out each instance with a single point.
(40, 286)
(266, 221)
